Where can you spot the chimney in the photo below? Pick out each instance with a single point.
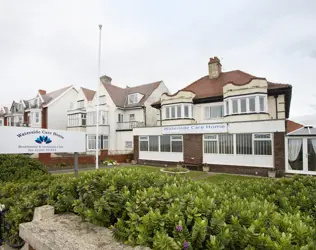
(42, 92)
(106, 79)
(214, 68)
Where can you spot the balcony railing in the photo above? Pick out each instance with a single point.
(129, 125)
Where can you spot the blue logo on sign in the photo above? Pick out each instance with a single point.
(43, 139)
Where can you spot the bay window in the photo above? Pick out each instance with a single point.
(178, 111)
(76, 120)
(246, 104)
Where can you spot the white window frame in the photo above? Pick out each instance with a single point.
(102, 99)
(144, 138)
(37, 117)
(103, 137)
(132, 98)
(208, 111)
(169, 109)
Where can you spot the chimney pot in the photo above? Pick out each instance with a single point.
(42, 92)
(214, 67)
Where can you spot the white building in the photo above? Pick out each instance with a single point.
(231, 121)
(3, 111)
(121, 110)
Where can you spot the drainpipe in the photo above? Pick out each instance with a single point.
(145, 118)
(276, 106)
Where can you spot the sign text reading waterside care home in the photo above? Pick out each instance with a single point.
(195, 129)
(15, 140)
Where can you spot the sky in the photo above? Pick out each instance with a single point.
(52, 44)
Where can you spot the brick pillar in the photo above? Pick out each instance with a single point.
(136, 148)
(193, 149)
(25, 118)
(5, 121)
(279, 153)
(44, 118)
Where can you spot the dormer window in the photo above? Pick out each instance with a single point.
(132, 98)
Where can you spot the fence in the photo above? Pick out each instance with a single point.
(6, 237)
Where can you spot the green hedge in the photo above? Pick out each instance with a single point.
(16, 167)
(166, 212)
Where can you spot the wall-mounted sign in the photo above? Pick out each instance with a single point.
(21, 140)
(196, 129)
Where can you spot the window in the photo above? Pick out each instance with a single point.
(235, 106)
(80, 104)
(213, 112)
(261, 103)
(92, 118)
(73, 120)
(102, 99)
(262, 144)
(83, 119)
(225, 144)
(30, 118)
(37, 117)
(176, 143)
(186, 111)
(243, 105)
(132, 99)
(227, 107)
(244, 144)
(132, 117)
(179, 111)
(153, 143)
(120, 117)
(143, 143)
(165, 143)
(252, 104)
(20, 119)
(1, 122)
(168, 113)
(129, 144)
(103, 117)
(173, 112)
(210, 144)
(103, 142)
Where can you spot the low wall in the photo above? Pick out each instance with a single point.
(48, 159)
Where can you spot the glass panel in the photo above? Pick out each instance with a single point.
(165, 143)
(311, 147)
(252, 104)
(263, 147)
(235, 106)
(186, 111)
(243, 107)
(179, 112)
(261, 103)
(244, 144)
(176, 146)
(227, 108)
(167, 113)
(143, 146)
(173, 112)
(210, 147)
(216, 111)
(226, 145)
(295, 154)
(153, 143)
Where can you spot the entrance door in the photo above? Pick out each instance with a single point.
(301, 155)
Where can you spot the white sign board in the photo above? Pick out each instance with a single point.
(196, 129)
(21, 140)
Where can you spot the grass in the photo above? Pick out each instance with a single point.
(199, 175)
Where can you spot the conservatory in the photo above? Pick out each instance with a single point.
(300, 150)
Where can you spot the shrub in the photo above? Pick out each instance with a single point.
(170, 212)
(16, 167)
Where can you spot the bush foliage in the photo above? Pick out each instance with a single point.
(16, 167)
(170, 212)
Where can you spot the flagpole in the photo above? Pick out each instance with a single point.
(97, 99)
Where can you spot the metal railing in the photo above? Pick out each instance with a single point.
(129, 125)
(6, 237)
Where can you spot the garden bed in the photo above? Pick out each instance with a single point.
(175, 170)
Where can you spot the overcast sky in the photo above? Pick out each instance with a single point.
(52, 44)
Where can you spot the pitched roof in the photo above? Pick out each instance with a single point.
(89, 94)
(120, 95)
(206, 87)
(292, 126)
(54, 94)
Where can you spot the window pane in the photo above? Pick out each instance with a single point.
(105, 142)
(261, 101)
(263, 147)
(165, 143)
(176, 137)
(143, 145)
(143, 138)
(244, 144)
(179, 112)
(235, 106)
(252, 104)
(168, 112)
(210, 147)
(227, 108)
(173, 112)
(295, 154)
(226, 145)
(207, 112)
(176, 146)
(243, 107)
(153, 143)
(217, 111)
(186, 111)
(210, 137)
(262, 136)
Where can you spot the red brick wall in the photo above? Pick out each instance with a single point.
(25, 117)
(5, 121)
(136, 148)
(44, 117)
(46, 158)
(279, 153)
(193, 149)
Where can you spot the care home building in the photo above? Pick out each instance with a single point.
(231, 121)
(120, 110)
